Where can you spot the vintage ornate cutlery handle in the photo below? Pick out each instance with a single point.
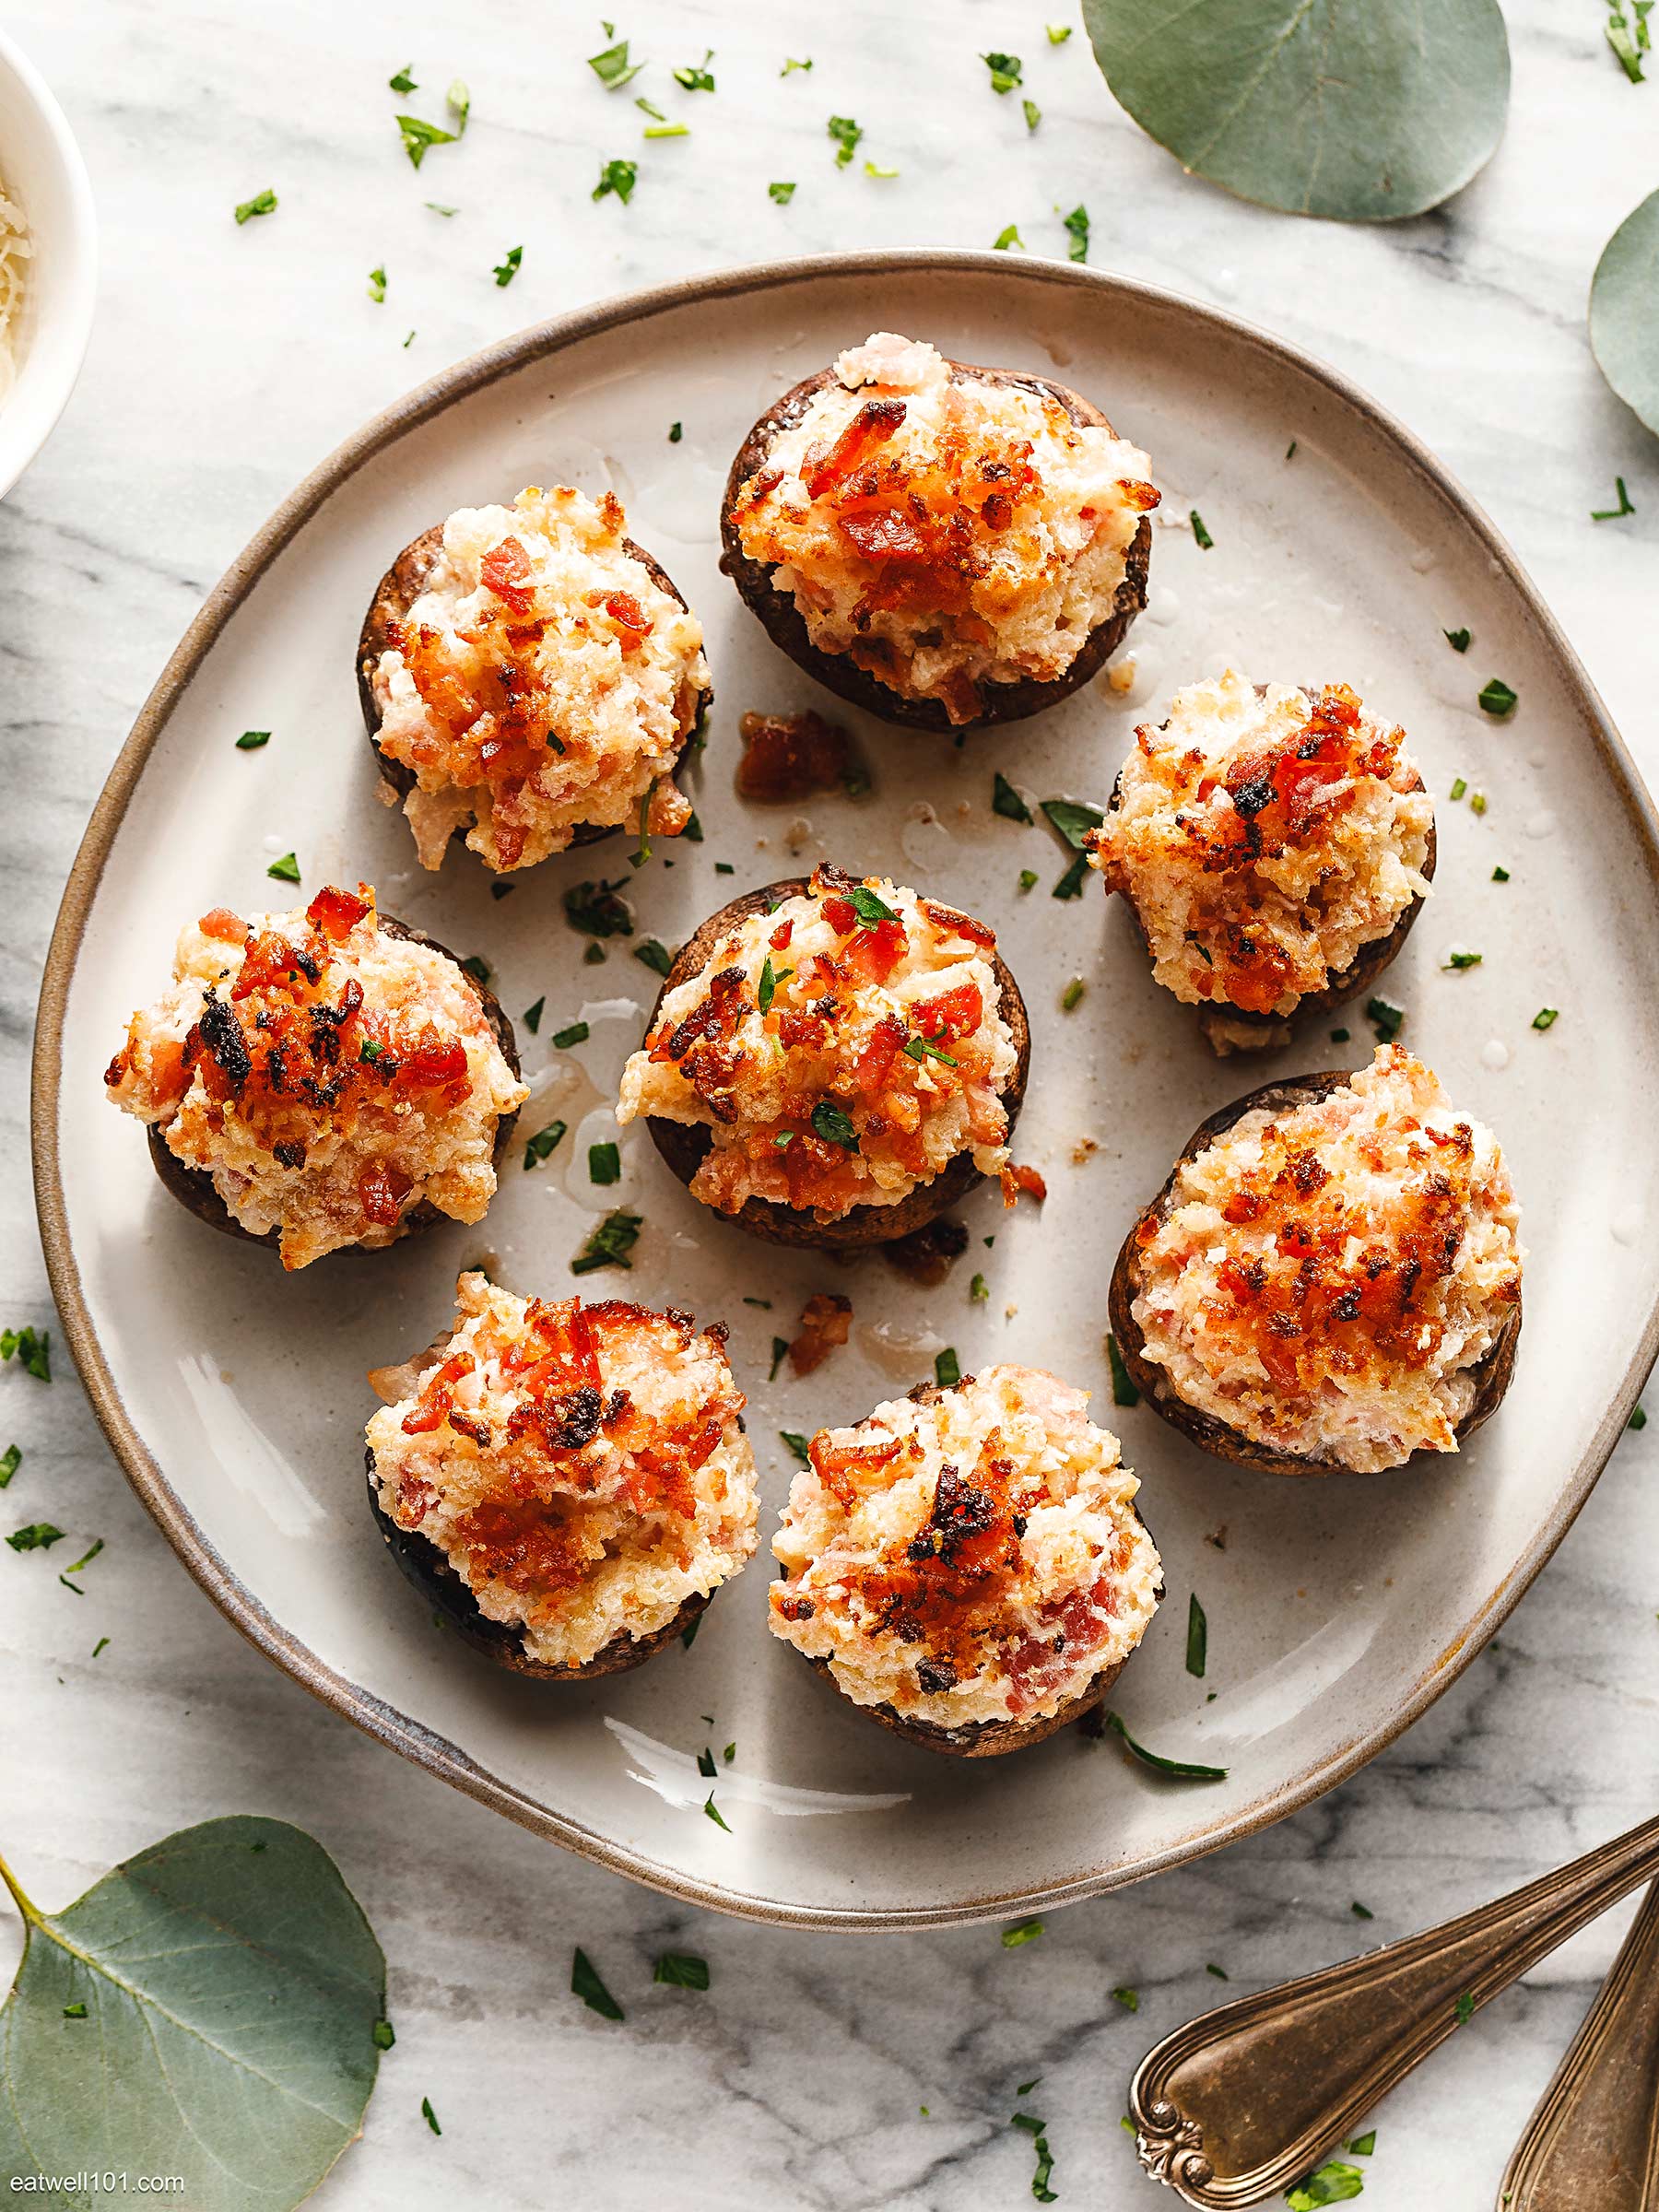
(1242, 2103)
(1594, 2136)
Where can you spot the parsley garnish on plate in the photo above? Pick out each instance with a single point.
(1006, 801)
(618, 177)
(263, 203)
(978, 1290)
(1457, 638)
(542, 1143)
(868, 907)
(1332, 2183)
(1183, 1770)
(250, 740)
(286, 870)
(1020, 1932)
(1197, 1643)
(1458, 787)
(705, 1763)
(1076, 223)
(1124, 1389)
(679, 1969)
(695, 75)
(37, 1535)
(418, 136)
(1611, 515)
(653, 955)
(531, 1017)
(430, 2116)
(1205, 542)
(791, 66)
(1005, 70)
(1072, 993)
(383, 2034)
(948, 1368)
(1070, 885)
(1033, 113)
(613, 67)
(86, 1560)
(595, 910)
(11, 1459)
(1545, 1017)
(1072, 818)
(605, 1164)
(1008, 241)
(1500, 875)
(846, 135)
(1458, 960)
(782, 194)
(1362, 2146)
(609, 1244)
(1496, 698)
(797, 1444)
(1221, 1974)
(33, 1350)
(1361, 1911)
(403, 81)
(585, 1983)
(476, 967)
(575, 1033)
(712, 1811)
(779, 1346)
(505, 271)
(1385, 1018)
(1028, 879)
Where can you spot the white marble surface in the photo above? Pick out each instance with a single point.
(225, 362)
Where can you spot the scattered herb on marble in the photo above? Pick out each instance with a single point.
(790, 66)
(10, 1461)
(609, 1244)
(377, 285)
(618, 177)
(286, 870)
(613, 67)
(384, 2035)
(458, 100)
(86, 1560)
(595, 910)
(667, 130)
(679, 1969)
(1058, 34)
(1185, 1769)
(1500, 875)
(33, 1350)
(250, 740)
(100, 1645)
(1219, 1972)
(1612, 514)
(1637, 1420)
(797, 1444)
(781, 193)
(1128, 1998)
(1202, 535)
(1033, 113)
(947, 1371)
(846, 135)
(430, 2116)
(438, 208)
(1459, 785)
(1361, 1911)
(223, 1992)
(1362, 2146)
(35, 1535)
(877, 168)
(263, 203)
(1073, 993)
(508, 268)
(1008, 241)
(1385, 1018)
(1629, 40)
(1465, 2009)
(1458, 961)
(1077, 223)
(1005, 70)
(1124, 1388)
(1496, 698)
(695, 75)
(1545, 1017)
(418, 138)
(1018, 1933)
(403, 81)
(1334, 2183)
(1038, 2131)
(585, 1983)
(542, 1143)
(1197, 1642)
(677, 431)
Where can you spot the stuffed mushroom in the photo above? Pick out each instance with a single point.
(321, 1079)
(1330, 1278)
(833, 1061)
(946, 546)
(967, 1565)
(1274, 846)
(569, 1484)
(529, 677)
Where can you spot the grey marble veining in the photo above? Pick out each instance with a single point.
(224, 364)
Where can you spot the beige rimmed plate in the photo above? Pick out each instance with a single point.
(234, 1395)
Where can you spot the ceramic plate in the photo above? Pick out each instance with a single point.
(235, 1396)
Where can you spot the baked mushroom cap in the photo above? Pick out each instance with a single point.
(984, 1552)
(195, 1188)
(397, 594)
(685, 1145)
(781, 615)
(1233, 1027)
(1491, 1375)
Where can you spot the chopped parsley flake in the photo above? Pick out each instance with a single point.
(532, 1015)
(653, 955)
(458, 100)
(1219, 1972)
(438, 208)
(1628, 42)
(678, 1970)
(86, 1560)
(32, 1347)
(542, 1143)
(1058, 34)
(1028, 879)
(1461, 959)
(667, 130)
(846, 135)
(1072, 993)
(618, 177)
(1070, 885)
(782, 194)
(403, 81)
(417, 136)
(1637, 1420)
(676, 433)
(712, 1811)
(831, 1121)
(250, 740)
(918, 1049)
(1033, 113)
(1006, 801)
(1496, 698)
(1124, 1389)
(1385, 1018)
(610, 1244)
(1128, 1998)
(384, 2035)
(978, 1290)
(1611, 515)
(596, 912)
(505, 271)
(695, 75)
(1500, 875)
(36, 1535)
(1197, 1643)
(868, 907)
(1076, 223)
(1361, 1911)
(1478, 801)
(724, 868)
(1545, 1017)
(576, 1033)
(1038, 2131)
(875, 169)
(1458, 787)
(1008, 241)
(779, 1346)
(790, 66)
(1183, 1769)
(263, 203)
(797, 1444)
(1022, 1931)
(585, 1983)
(286, 870)
(1204, 540)
(1333, 2183)
(10, 1461)
(1005, 70)
(595, 956)
(613, 67)
(1362, 2146)
(688, 1633)
(605, 1164)
(1340, 1036)
(705, 1761)
(1457, 638)
(377, 285)
(99, 1645)
(766, 989)
(645, 108)
(693, 830)
(1465, 2009)
(948, 1370)
(1072, 818)
(476, 967)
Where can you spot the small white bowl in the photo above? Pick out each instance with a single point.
(44, 172)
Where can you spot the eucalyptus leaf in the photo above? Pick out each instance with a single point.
(231, 1988)
(1364, 110)
(1624, 311)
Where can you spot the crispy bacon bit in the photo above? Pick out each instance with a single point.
(336, 913)
(841, 914)
(947, 1019)
(223, 926)
(631, 618)
(788, 757)
(877, 950)
(825, 1320)
(780, 937)
(951, 923)
(506, 570)
(873, 427)
(381, 1189)
(434, 1062)
(1022, 1181)
(432, 1408)
(1137, 494)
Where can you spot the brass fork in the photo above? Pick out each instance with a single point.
(1246, 2100)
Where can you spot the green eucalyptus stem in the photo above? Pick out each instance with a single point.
(32, 1915)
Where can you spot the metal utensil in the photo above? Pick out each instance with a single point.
(1244, 2102)
(1593, 2138)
